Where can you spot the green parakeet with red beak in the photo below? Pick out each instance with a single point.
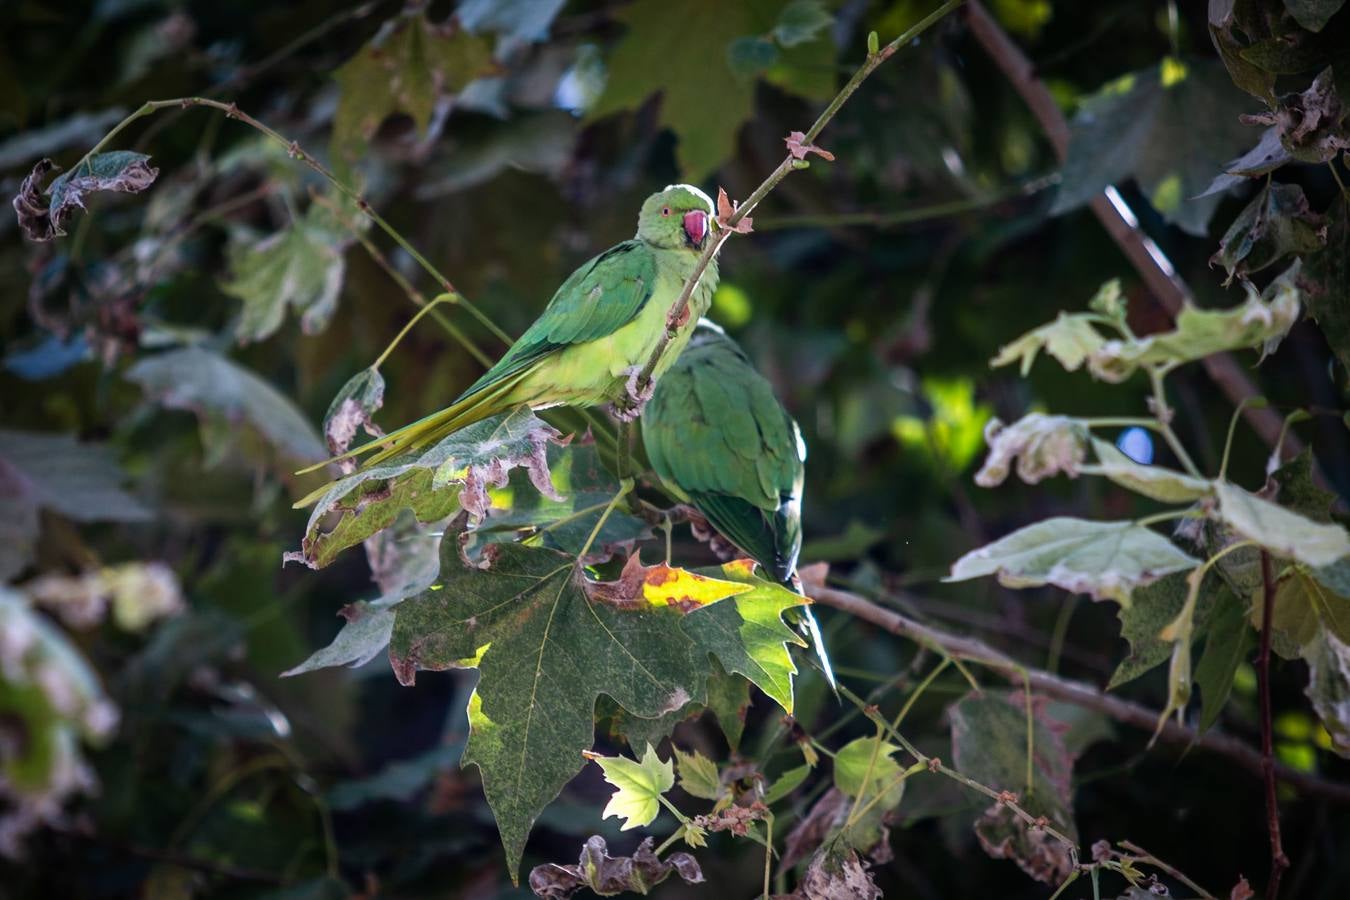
(600, 329)
(720, 441)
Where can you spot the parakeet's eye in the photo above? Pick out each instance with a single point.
(665, 210)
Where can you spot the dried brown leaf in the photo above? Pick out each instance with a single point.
(799, 148)
(726, 209)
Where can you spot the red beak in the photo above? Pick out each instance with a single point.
(696, 228)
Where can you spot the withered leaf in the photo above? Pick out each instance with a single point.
(609, 875)
(799, 147)
(726, 209)
(120, 171)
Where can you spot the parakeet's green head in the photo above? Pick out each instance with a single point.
(678, 217)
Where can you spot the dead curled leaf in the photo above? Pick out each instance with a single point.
(799, 147)
(34, 220)
(726, 209)
(121, 171)
(609, 875)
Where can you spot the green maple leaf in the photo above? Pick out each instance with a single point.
(748, 636)
(404, 68)
(639, 786)
(1170, 126)
(300, 267)
(547, 646)
(683, 52)
(698, 775)
(434, 483)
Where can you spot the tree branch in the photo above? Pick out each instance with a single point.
(680, 307)
(1111, 210)
(1076, 692)
(1278, 861)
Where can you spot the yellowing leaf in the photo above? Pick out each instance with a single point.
(405, 68)
(1156, 482)
(698, 775)
(1071, 338)
(639, 786)
(552, 649)
(1261, 322)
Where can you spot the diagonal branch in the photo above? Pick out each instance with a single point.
(874, 59)
(1111, 210)
(1076, 692)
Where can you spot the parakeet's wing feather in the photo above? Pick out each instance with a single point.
(596, 300)
(749, 528)
(715, 429)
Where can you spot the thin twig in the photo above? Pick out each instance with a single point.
(1149, 859)
(678, 309)
(1076, 692)
(424, 306)
(909, 216)
(1146, 256)
(293, 148)
(1278, 860)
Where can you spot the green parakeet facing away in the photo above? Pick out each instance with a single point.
(596, 334)
(720, 440)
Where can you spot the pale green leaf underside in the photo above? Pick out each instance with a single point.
(1104, 559)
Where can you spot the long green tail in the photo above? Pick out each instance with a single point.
(428, 430)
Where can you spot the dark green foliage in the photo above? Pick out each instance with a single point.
(194, 311)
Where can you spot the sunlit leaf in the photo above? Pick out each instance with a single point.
(638, 787)
(748, 635)
(1071, 339)
(1104, 559)
(698, 775)
(551, 649)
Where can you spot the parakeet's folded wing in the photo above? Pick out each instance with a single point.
(596, 300)
(715, 430)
